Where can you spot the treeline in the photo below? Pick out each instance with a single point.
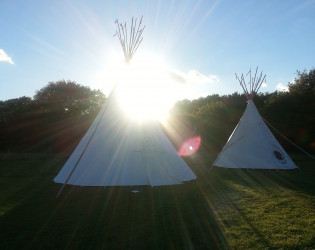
(52, 121)
(292, 113)
(57, 117)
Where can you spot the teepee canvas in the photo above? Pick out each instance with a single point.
(118, 151)
(252, 145)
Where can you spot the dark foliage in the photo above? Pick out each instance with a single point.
(291, 113)
(67, 98)
(59, 114)
(54, 121)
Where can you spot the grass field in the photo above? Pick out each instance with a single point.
(222, 209)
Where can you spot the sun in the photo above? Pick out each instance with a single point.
(143, 85)
(144, 89)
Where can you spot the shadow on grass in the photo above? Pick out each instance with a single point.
(169, 217)
(223, 208)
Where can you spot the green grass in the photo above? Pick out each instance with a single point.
(223, 208)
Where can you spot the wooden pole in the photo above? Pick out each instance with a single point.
(254, 83)
(130, 41)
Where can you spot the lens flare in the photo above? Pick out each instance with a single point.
(190, 146)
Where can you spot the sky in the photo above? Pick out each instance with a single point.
(202, 43)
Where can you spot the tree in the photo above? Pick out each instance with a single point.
(304, 84)
(53, 121)
(13, 106)
(68, 98)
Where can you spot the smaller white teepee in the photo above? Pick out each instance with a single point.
(252, 144)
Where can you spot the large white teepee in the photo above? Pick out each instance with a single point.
(118, 151)
(252, 144)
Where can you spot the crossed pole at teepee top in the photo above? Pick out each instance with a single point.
(254, 83)
(129, 42)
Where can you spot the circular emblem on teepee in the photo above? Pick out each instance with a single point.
(278, 155)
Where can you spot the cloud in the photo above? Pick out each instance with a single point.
(4, 57)
(194, 84)
(264, 85)
(177, 76)
(195, 76)
(282, 87)
(192, 77)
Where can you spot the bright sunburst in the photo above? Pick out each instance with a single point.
(144, 89)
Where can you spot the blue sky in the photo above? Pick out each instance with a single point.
(205, 42)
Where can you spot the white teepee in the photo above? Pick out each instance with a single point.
(117, 151)
(252, 144)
